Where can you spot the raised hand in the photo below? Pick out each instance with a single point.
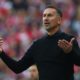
(1, 42)
(66, 45)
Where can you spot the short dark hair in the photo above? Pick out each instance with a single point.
(54, 7)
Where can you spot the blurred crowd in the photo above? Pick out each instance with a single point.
(21, 24)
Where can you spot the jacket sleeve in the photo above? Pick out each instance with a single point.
(21, 65)
(76, 53)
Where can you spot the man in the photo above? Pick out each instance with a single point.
(55, 54)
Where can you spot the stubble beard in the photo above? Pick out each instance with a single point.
(52, 29)
(49, 28)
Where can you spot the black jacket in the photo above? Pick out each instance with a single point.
(51, 61)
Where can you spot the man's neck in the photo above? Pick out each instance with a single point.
(53, 31)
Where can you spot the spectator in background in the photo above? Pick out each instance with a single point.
(19, 4)
(33, 72)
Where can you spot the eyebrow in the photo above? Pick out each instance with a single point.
(47, 14)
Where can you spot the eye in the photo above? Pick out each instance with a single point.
(44, 15)
(49, 15)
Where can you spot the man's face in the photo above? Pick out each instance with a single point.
(51, 19)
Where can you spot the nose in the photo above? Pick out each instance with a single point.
(45, 18)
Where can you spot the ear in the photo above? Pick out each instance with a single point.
(59, 20)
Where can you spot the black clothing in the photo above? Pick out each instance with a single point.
(52, 62)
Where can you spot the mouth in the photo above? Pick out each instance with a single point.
(46, 23)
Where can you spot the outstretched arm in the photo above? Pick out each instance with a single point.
(21, 65)
(17, 66)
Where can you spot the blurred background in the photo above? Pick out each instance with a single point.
(21, 24)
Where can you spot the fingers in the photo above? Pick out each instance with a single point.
(60, 44)
(72, 39)
(63, 43)
(1, 38)
(1, 41)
